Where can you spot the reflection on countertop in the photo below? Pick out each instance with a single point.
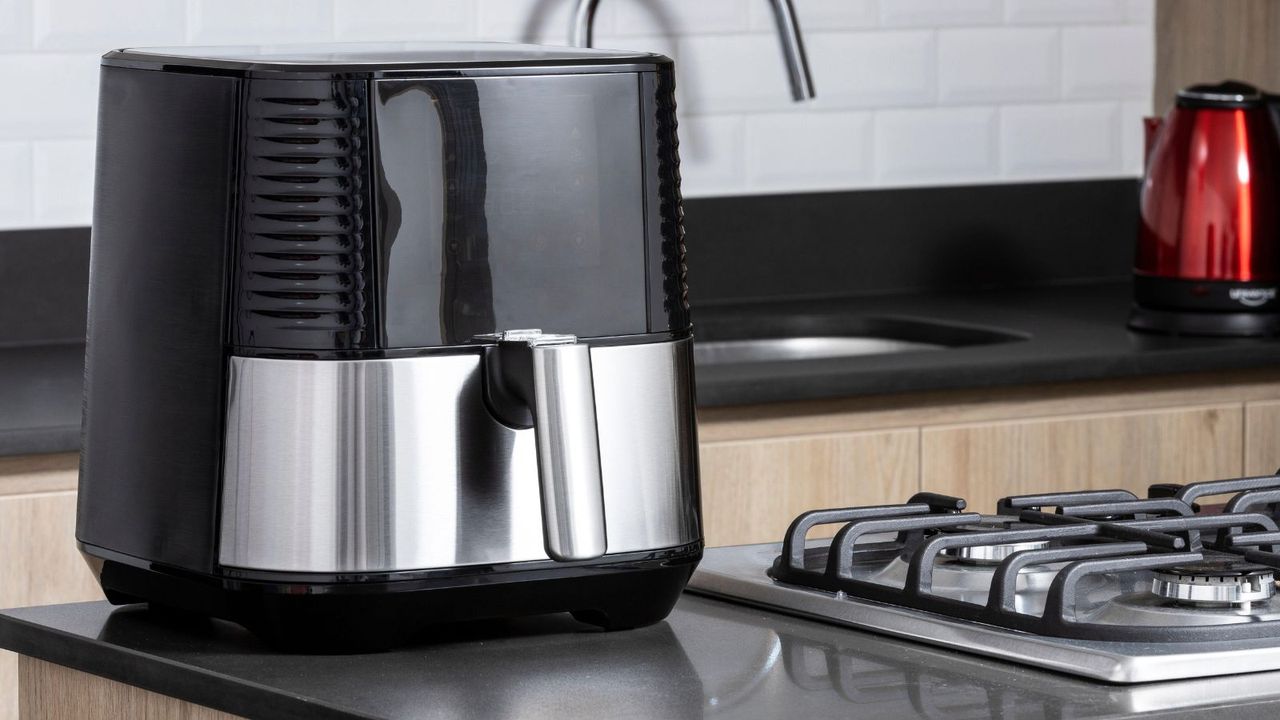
(708, 659)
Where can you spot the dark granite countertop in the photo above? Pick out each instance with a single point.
(40, 395)
(1070, 333)
(708, 659)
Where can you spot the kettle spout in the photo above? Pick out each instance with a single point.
(1150, 129)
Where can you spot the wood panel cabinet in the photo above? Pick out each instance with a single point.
(1212, 40)
(39, 562)
(984, 462)
(1261, 437)
(751, 490)
(762, 465)
(54, 692)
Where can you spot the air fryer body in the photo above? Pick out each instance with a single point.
(311, 402)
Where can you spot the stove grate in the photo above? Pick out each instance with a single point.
(1091, 534)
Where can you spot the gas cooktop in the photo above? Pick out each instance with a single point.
(1107, 586)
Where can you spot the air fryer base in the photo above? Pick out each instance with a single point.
(352, 617)
(1209, 324)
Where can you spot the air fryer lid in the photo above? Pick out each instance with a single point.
(1227, 94)
(372, 57)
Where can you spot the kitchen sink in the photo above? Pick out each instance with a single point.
(783, 338)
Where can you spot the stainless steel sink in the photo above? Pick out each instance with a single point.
(801, 348)
(732, 340)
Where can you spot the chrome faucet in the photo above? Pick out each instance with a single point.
(788, 32)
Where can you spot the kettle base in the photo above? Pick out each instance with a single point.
(358, 617)
(1204, 324)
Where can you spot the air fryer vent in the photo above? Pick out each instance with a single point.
(670, 209)
(302, 252)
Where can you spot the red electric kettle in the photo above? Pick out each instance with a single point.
(1208, 257)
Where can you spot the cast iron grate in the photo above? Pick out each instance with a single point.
(1090, 533)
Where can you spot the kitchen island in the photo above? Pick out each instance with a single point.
(708, 659)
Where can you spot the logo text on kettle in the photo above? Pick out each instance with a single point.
(1252, 297)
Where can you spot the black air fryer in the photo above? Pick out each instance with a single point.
(379, 340)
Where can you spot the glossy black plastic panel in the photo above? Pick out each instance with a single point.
(395, 215)
(152, 446)
(510, 203)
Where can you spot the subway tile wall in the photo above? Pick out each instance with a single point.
(910, 92)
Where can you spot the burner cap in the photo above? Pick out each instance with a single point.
(1228, 581)
(992, 554)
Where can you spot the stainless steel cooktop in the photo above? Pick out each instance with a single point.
(1109, 586)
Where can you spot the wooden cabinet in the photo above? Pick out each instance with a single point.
(54, 692)
(1211, 40)
(762, 465)
(1261, 437)
(751, 490)
(39, 563)
(984, 462)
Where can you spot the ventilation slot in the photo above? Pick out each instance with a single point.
(670, 209)
(302, 256)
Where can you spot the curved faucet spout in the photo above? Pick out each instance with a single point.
(784, 13)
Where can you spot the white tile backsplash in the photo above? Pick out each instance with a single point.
(936, 145)
(730, 73)
(711, 155)
(1059, 12)
(1142, 12)
(1107, 62)
(257, 22)
(62, 180)
(79, 25)
(910, 92)
(1061, 140)
(396, 20)
(15, 29)
(820, 14)
(808, 151)
(545, 21)
(873, 69)
(680, 17)
(15, 185)
(996, 65)
(48, 95)
(933, 13)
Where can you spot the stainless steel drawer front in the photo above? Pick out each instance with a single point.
(383, 465)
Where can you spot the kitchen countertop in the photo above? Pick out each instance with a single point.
(1071, 333)
(40, 396)
(708, 659)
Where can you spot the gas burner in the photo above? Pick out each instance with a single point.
(1058, 580)
(1216, 582)
(1083, 572)
(991, 554)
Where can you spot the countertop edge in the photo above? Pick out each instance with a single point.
(158, 675)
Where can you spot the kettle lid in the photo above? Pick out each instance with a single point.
(1226, 94)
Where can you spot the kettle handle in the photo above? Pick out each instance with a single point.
(550, 377)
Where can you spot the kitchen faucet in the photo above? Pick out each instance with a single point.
(788, 32)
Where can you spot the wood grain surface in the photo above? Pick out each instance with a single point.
(751, 490)
(1213, 40)
(54, 692)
